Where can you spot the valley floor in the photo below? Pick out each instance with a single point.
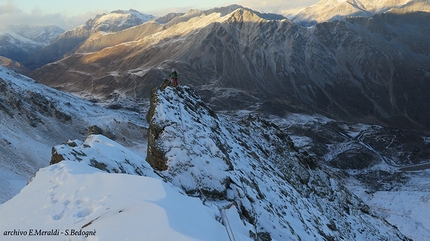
(405, 207)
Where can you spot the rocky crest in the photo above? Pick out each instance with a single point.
(256, 167)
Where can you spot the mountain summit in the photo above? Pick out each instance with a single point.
(328, 10)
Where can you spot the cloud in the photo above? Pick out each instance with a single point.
(7, 8)
(10, 14)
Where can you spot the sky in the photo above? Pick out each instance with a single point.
(68, 14)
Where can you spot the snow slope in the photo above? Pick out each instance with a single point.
(328, 10)
(73, 196)
(34, 118)
(406, 206)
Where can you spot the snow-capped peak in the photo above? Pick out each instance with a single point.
(32, 35)
(326, 10)
(118, 20)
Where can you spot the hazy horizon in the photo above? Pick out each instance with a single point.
(70, 14)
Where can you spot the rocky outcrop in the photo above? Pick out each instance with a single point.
(278, 191)
(100, 152)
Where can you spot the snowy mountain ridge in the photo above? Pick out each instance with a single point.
(32, 35)
(117, 20)
(328, 10)
(248, 173)
(34, 118)
(273, 65)
(279, 192)
(69, 40)
(19, 42)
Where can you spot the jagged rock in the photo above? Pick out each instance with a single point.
(96, 152)
(256, 166)
(95, 130)
(56, 158)
(166, 83)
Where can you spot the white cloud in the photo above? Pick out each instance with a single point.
(10, 14)
(7, 8)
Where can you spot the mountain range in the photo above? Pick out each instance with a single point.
(18, 42)
(355, 69)
(306, 127)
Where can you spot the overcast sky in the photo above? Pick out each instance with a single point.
(68, 14)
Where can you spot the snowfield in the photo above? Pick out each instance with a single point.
(406, 207)
(74, 196)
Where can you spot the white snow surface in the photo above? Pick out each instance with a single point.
(406, 207)
(119, 18)
(73, 196)
(99, 150)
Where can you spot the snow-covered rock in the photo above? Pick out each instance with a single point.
(278, 191)
(100, 152)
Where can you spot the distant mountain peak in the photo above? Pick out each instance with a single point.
(118, 20)
(326, 10)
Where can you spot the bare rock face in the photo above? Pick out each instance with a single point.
(255, 166)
